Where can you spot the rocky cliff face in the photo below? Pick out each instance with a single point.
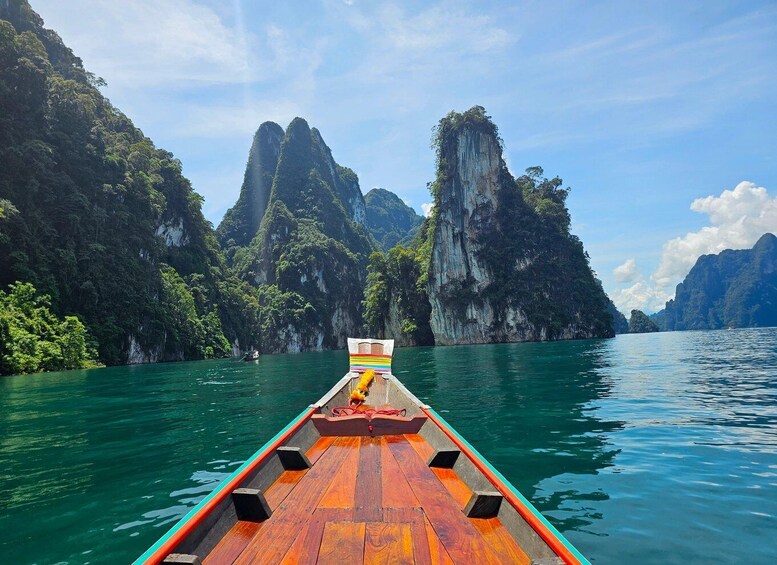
(310, 248)
(736, 288)
(503, 265)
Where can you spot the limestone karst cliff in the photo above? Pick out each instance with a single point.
(496, 261)
(309, 252)
(503, 264)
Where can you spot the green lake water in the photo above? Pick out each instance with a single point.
(649, 449)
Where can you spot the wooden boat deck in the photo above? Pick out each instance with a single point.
(357, 504)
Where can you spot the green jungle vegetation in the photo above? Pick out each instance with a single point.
(33, 339)
(87, 203)
(639, 323)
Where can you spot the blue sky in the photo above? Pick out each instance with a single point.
(661, 116)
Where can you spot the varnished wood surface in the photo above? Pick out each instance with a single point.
(368, 500)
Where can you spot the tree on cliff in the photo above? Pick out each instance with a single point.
(639, 323)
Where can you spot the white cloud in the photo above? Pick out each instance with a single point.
(640, 296)
(151, 42)
(427, 209)
(738, 217)
(627, 272)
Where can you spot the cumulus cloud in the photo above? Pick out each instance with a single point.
(626, 272)
(427, 209)
(640, 296)
(738, 217)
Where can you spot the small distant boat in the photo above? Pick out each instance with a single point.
(368, 474)
(252, 355)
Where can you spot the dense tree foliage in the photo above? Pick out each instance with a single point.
(639, 323)
(736, 288)
(390, 220)
(33, 339)
(395, 276)
(91, 212)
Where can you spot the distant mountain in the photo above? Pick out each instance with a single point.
(659, 319)
(297, 233)
(736, 288)
(619, 322)
(639, 323)
(390, 220)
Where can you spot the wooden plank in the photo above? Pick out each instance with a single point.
(437, 551)
(415, 518)
(500, 540)
(233, 543)
(342, 542)
(291, 518)
(317, 449)
(420, 445)
(456, 487)
(342, 491)
(368, 497)
(396, 490)
(304, 550)
(460, 538)
(282, 486)
(386, 543)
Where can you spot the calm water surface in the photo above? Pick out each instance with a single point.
(642, 449)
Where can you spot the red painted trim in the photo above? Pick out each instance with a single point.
(166, 548)
(369, 355)
(555, 544)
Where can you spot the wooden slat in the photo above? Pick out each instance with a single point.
(460, 538)
(317, 449)
(415, 518)
(342, 542)
(420, 445)
(500, 540)
(456, 487)
(293, 514)
(437, 551)
(233, 543)
(368, 496)
(342, 491)
(396, 490)
(288, 479)
(282, 486)
(387, 543)
(304, 550)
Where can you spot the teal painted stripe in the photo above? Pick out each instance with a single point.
(516, 492)
(142, 559)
